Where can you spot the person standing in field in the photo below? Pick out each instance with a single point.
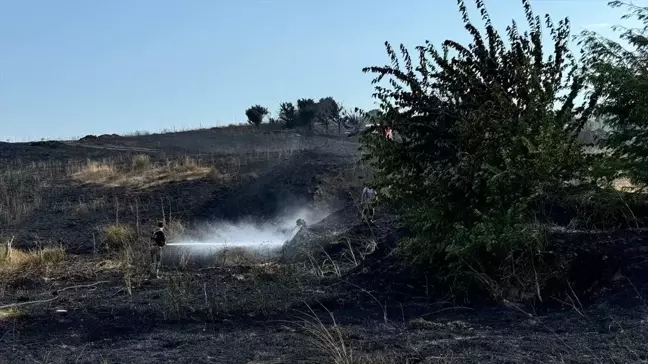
(158, 240)
(367, 201)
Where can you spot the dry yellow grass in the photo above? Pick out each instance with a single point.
(625, 185)
(142, 172)
(329, 339)
(10, 313)
(96, 171)
(21, 262)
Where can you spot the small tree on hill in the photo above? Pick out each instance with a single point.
(255, 114)
(353, 119)
(328, 112)
(306, 112)
(484, 131)
(288, 114)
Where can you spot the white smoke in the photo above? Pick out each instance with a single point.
(266, 237)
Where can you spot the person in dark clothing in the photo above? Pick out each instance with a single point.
(158, 240)
(368, 203)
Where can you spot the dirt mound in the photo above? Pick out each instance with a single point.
(101, 139)
(48, 143)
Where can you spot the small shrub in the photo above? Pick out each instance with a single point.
(117, 236)
(329, 339)
(141, 161)
(51, 255)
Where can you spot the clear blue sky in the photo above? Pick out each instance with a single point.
(74, 67)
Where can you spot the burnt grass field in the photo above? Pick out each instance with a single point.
(74, 288)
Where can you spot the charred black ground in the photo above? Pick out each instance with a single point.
(245, 311)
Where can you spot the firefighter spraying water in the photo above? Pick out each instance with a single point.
(158, 241)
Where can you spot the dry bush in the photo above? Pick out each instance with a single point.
(333, 340)
(51, 255)
(131, 257)
(324, 267)
(330, 339)
(178, 296)
(117, 237)
(134, 263)
(141, 162)
(185, 260)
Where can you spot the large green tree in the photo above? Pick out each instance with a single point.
(485, 129)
